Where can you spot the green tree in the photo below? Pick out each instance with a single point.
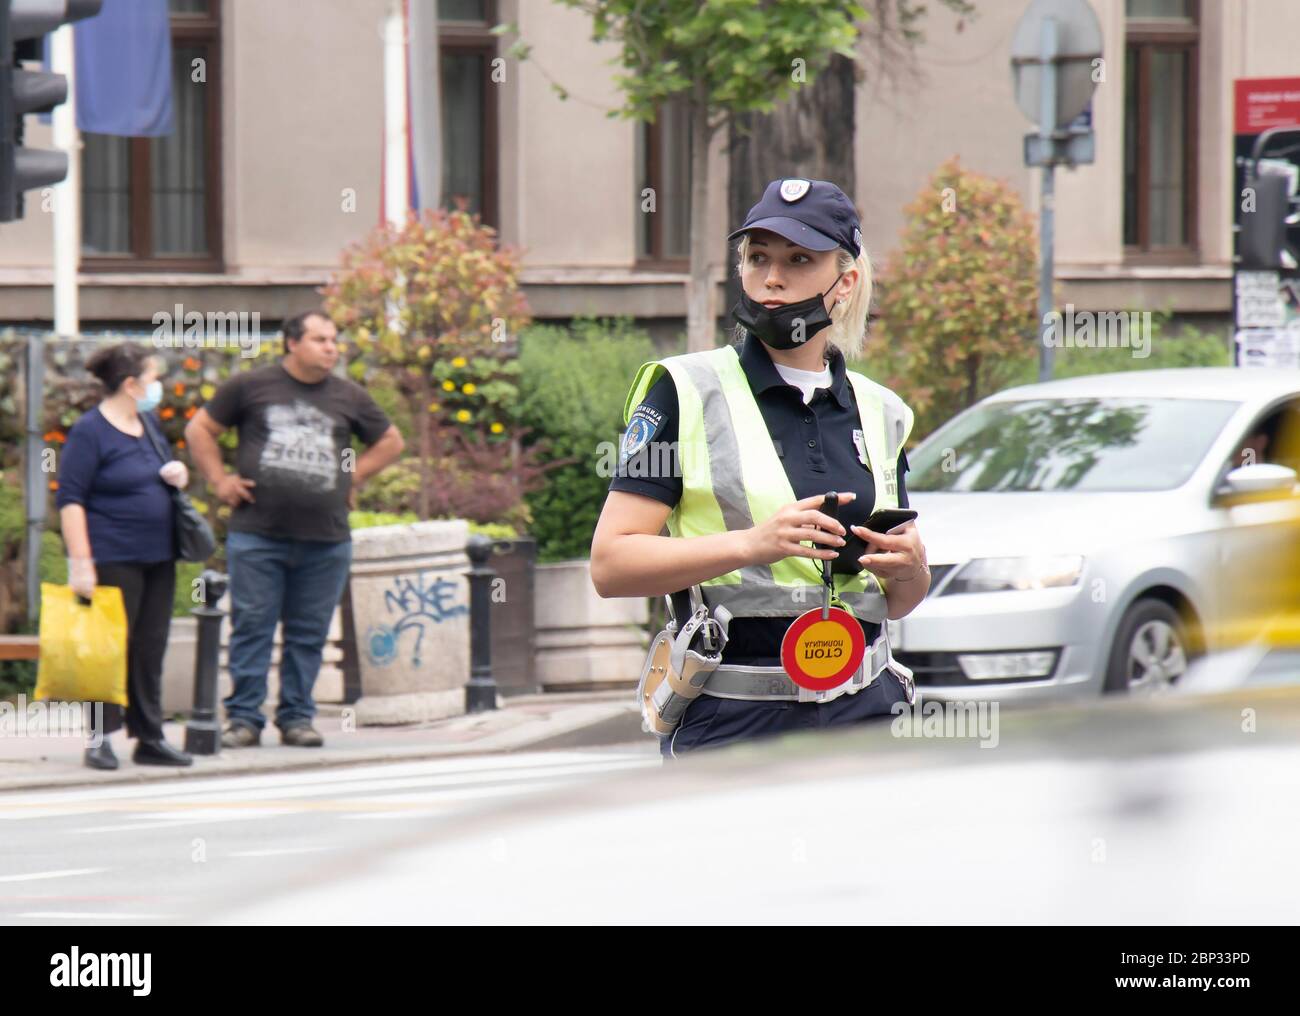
(958, 297)
(436, 305)
(723, 58)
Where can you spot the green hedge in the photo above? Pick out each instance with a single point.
(573, 383)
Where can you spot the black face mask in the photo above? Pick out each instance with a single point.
(776, 326)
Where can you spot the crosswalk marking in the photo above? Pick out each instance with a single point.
(40, 875)
(452, 772)
(404, 790)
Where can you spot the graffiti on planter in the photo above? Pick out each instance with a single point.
(414, 603)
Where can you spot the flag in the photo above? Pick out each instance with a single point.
(124, 70)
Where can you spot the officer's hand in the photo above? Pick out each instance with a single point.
(899, 555)
(779, 537)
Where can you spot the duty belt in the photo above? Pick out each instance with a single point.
(733, 681)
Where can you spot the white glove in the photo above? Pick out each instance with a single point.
(175, 473)
(81, 576)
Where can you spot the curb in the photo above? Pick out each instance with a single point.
(597, 721)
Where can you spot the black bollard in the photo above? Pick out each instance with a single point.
(203, 732)
(481, 692)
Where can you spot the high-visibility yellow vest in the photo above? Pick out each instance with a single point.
(733, 479)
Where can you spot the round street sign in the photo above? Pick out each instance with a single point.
(1078, 44)
(822, 654)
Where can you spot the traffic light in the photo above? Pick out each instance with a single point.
(23, 26)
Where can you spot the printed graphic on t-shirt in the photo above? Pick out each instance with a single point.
(299, 449)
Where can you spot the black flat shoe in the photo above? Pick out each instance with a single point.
(101, 756)
(160, 753)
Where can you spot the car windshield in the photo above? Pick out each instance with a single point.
(1070, 444)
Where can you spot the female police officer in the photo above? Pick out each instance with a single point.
(734, 449)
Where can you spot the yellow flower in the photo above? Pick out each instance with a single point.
(497, 428)
(207, 391)
(434, 407)
(449, 386)
(458, 362)
(463, 416)
(424, 353)
(469, 388)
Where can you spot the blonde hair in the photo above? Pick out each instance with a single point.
(848, 319)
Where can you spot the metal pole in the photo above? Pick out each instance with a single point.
(396, 154)
(67, 195)
(481, 692)
(34, 493)
(1047, 207)
(203, 732)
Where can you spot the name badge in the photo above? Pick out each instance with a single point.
(860, 443)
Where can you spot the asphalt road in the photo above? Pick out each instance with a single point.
(173, 852)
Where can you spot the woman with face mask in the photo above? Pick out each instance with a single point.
(116, 516)
(734, 449)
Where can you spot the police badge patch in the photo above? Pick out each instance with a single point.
(793, 190)
(640, 429)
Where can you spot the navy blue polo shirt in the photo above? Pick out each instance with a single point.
(814, 442)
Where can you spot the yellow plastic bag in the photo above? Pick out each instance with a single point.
(83, 648)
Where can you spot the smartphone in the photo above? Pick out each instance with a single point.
(881, 521)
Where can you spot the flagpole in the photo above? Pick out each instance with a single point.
(67, 249)
(396, 181)
(67, 195)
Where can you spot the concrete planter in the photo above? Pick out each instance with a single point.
(178, 666)
(585, 642)
(410, 611)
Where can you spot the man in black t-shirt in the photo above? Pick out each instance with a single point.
(289, 546)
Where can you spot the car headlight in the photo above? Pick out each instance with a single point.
(998, 574)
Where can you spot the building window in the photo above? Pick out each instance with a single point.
(156, 202)
(466, 48)
(1160, 114)
(663, 159)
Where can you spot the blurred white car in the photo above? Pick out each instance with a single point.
(1094, 534)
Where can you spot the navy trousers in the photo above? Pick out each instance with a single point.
(711, 722)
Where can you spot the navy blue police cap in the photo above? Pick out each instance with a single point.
(812, 213)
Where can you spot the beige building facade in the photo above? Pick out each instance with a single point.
(279, 165)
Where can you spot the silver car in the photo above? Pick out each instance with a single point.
(1094, 534)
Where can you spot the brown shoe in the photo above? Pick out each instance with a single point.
(240, 735)
(301, 735)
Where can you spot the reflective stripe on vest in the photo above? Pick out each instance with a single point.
(733, 479)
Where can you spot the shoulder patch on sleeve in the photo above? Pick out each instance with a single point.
(644, 424)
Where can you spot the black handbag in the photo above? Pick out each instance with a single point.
(193, 535)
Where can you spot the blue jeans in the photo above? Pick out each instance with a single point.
(711, 722)
(298, 582)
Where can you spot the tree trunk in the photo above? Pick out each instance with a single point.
(972, 381)
(701, 323)
(809, 136)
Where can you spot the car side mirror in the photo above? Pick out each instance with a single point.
(1261, 478)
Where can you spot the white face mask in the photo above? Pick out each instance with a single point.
(151, 398)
